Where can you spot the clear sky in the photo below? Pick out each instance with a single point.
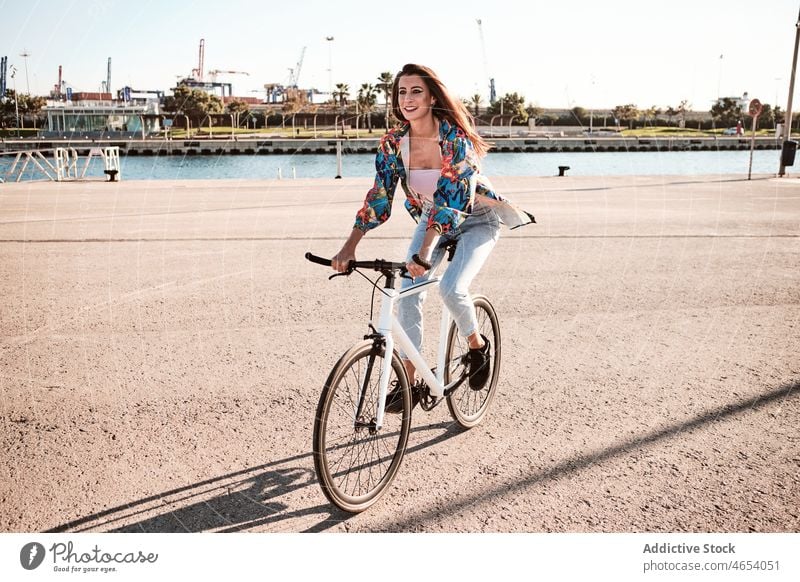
(556, 53)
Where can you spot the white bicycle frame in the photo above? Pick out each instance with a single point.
(391, 330)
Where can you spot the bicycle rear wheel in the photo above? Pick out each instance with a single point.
(468, 407)
(355, 462)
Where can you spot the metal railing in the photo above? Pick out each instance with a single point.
(58, 164)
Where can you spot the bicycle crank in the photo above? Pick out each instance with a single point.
(426, 401)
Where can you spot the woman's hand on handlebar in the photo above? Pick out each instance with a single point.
(420, 263)
(340, 262)
(415, 270)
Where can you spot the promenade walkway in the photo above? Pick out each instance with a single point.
(163, 346)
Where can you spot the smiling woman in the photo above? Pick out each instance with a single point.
(435, 156)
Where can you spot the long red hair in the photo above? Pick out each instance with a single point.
(446, 107)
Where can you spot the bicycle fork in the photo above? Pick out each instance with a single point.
(386, 338)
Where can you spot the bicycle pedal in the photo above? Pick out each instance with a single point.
(426, 401)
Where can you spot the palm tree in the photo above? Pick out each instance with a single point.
(670, 113)
(366, 100)
(476, 102)
(651, 114)
(683, 109)
(627, 113)
(385, 83)
(342, 93)
(236, 108)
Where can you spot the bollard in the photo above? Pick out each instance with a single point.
(280, 177)
(294, 173)
(562, 170)
(111, 160)
(338, 159)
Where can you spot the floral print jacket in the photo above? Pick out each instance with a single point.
(459, 184)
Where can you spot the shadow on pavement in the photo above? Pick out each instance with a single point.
(577, 463)
(251, 498)
(239, 501)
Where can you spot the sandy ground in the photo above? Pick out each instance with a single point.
(164, 345)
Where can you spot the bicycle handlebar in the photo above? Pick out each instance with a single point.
(318, 260)
(376, 265)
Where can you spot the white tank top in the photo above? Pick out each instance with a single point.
(424, 182)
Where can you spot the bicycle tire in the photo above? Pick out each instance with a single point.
(469, 407)
(355, 466)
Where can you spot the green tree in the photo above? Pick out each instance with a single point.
(580, 115)
(628, 113)
(385, 84)
(8, 110)
(778, 115)
(547, 119)
(29, 106)
(367, 97)
(534, 111)
(510, 104)
(237, 107)
(341, 94)
(651, 114)
(770, 117)
(727, 111)
(194, 103)
(670, 112)
(476, 101)
(684, 107)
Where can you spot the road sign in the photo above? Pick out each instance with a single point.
(755, 110)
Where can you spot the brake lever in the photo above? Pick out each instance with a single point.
(347, 273)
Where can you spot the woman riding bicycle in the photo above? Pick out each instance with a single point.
(435, 156)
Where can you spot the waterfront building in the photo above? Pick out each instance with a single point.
(96, 115)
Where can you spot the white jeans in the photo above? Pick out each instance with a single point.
(476, 238)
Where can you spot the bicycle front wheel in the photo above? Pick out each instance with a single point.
(354, 460)
(468, 407)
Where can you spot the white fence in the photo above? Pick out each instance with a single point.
(59, 164)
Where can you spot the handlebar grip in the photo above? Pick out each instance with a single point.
(318, 260)
(421, 262)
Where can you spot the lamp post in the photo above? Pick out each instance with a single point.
(591, 111)
(330, 64)
(787, 126)
(16, 96)
(25, 54)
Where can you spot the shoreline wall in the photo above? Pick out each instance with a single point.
(265, 146)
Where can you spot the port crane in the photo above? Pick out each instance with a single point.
(213, 74)
(197, 73)
(294, 74)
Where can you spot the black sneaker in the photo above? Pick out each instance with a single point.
(394, 399)
(478, 365)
